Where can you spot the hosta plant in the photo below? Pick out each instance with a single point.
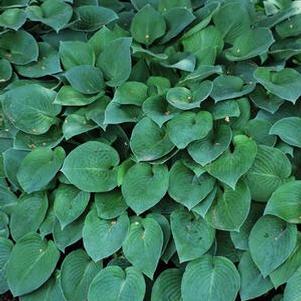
(150, 150)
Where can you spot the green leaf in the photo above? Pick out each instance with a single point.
(147, 25)
(18, 47)
(12, 159)
(265, 100)
(116, 113)
(186, 188)
(101, 237)
(288, 129)
(177, 19)
(251, 43)
(211, 147)
(76, 124)
(289, 27)
(270, 169)
(253, 284)
(115, 284)
(167, 286)
(158, 110)
(184, 99)
(271, 242)
(27, 142)
(232, 25)
(39, 167)
(204, 43)
(84, 54)
(91, 167)
(4, 220)
(85, 79)
(6, 70)
(149, 141)
(5, 250)
(165, 227)
(258, 129)
(68, 96)
(30, 108)
(143, 245)
(230, 208)
(188, 126)
(115, 61)
(28, 214)
(78, 271)
(110, 204)
(68, 236)
(13, 18)
(31, 263)
(285, 83)
(241, 239)
(285, 202)
(53, 13)
(50, 290)
(144, 185)
(103, 36)
(205, 276)
(92, 17)
(230, 86)
(131, 93)
(192, 235)
(292, 288)
(69, 203)
(230, 166)
(47, 63)
(284, 272)
(225, 109)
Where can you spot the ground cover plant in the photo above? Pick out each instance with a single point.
(150, 150)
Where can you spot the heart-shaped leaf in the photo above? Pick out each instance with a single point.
(78, 271)
(94, 162)
(103, 237)
(144, 186)
(203, 278)
(33, 260)
(192, 235)
(285, 83)
(271, 242)
(144, 240)
(230, 166)
(113, 283)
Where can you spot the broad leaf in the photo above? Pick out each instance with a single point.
(69, 203)
(193, 236)
(288, 129)
(103, 237)
(230, 208)
(31, 263)
(78, 271)
(115, 284)
(39, 167)
(28, 214)
(285, 202)
(143, 245)
(91, 167)
(53, 13)
(271, 242)
(284, 83)
(30, 108)
(204, 277)
(147, 25)
(144, 186)
(230, 166)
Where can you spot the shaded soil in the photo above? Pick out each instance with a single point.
(7, 297)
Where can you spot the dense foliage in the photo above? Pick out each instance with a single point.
(150, 150)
